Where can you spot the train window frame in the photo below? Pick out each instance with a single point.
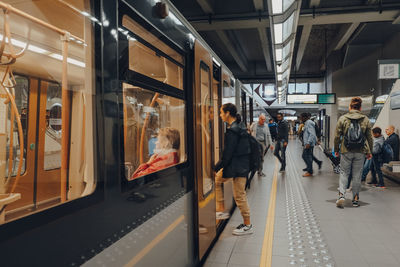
(205, 66)
(131, 77)
(44, 216)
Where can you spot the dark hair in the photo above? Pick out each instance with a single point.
(304, 115)
(279, 113)
(355, 103)
(271, 120)
(377, 130)
(231, 108)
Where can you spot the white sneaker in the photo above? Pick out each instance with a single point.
(222, 215)
(243, 229)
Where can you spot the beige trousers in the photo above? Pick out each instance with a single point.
(239, 192)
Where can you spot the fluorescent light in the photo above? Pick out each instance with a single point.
(278, 54)
(216, 62)
(280, 89)
(85, 14)
(276, 6)
(278, 33)
(36, 49)
(279, 77)
(69, 60)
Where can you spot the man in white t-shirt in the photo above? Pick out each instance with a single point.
(261, 132)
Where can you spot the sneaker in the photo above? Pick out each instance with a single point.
(282, 169)
(340, 201)
(222, 215)
(372, 183)
(319, 165)
(305, 169)
(261, 174)
(307, 174)
(380, 186)
(243, 229)
(355, 201)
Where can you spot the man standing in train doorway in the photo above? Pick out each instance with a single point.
(260, 131)
(282, 140)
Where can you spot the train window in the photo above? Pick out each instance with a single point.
(154, 131)
(13, 144)
(46, 105)
(228, 93)
(206, 129)
(150, 62)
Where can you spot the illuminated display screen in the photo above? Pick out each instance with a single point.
(311, 99)
(302, 99)
(326, 98)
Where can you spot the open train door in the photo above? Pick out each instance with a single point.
(204, 132)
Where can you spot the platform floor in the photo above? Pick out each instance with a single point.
(308, 229)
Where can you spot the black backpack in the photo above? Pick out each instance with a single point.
(354, 139)
(387, 153)
(256, 152)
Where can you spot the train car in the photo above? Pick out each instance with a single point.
(109, 132)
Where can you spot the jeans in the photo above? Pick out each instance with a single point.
(239, 192)
(376, 168)
(262, 156)
(280, 153)
(351, 162)
(366, 169)
(308, 158)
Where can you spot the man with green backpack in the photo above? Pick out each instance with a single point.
(354, 137)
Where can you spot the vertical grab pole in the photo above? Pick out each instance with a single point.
(64, 118)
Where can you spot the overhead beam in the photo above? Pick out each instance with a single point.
(206, 6)
(254, 22)
(265, 47)
(346, 36)
(228, 44)
(339, 37)
(305, 34)
(397, 20)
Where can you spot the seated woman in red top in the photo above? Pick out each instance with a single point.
(165, 153)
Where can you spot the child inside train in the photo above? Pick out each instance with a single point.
(166, 153)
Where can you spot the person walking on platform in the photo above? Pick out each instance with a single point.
(234, 164)
(309, 141)
(273, 129)
(354, 137)
(282, 140)
(261, 132)
(377, 159)
(318, 134)
(393, 141)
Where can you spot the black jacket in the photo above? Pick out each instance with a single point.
(283, 131)
(393, 141)
(235, 158)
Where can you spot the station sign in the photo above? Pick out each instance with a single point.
(311, 99)
(389, 69)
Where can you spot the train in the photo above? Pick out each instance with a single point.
(109, 132)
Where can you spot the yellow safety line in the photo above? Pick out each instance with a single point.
(154, 242)
(205, 202)
(266, 253)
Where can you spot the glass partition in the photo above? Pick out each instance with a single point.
(154, 131)
(47, 110)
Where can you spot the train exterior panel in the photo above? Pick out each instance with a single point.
(109, 130)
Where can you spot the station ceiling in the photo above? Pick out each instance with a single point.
(238, 31)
